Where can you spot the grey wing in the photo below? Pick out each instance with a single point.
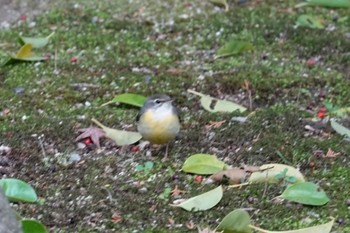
(176, 111)
(142, 111)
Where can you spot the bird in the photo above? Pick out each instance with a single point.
(158, 121)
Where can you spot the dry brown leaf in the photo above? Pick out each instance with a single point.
(92, 132)
(174, 70)
(171, 221)
(206, 230)
(190, 225)
(116, 217)
(177, 192)
(251, 168)
(235, 175)
(331, 153)
(214, 124)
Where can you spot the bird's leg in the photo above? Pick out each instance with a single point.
(165, 158)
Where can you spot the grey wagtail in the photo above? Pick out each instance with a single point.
(158, 121)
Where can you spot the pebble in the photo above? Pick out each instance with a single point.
(143, 190)
(19, 90)
(73, 157)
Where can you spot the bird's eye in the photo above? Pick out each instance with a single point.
(157, 101)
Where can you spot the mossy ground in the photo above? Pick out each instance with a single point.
(149, 47)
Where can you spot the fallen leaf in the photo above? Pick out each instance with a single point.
(24, 52)
(269, 172)
(326, 3)
(92, 132)
(190, 225)
(203, 164)
(36, 42)
(306, 193)
(120, 137)
(341, 112)
(175, 70)
(203, 201)
(234, 47)
(214, 124)
(177, 192)
(340, 129)
(116, 217)
(310, 21)
(215, 105)
(331, 153)
(128, 98)
(205, 230)
(236, 221)
(220, 3)
(323, 228)
(31, 225)
(171, 221)
(235, 175)
(17, 190)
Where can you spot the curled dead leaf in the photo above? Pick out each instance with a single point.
(235, 175)
(206, 230)
(190, 225)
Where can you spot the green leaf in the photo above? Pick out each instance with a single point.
(306, 193)
(36, 42)
(340, 129)
(203, 164)
(128, 98)
(18, 190)
(32, 226)
(220, 3)
(323, 228)
(120, 137)
(237, 221)
(340, 112)
(24, 54)
(215, 105)
(149, 165)
(14, 60)
(139, 168)
(203, 201)
(272, 173)
(326, 3)
(166, 193)
(234, 47)
(310, 21)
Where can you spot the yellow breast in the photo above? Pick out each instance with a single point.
(158, 128)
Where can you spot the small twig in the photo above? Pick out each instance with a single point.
(97, 123)
(83, 85)
(42, 146)
(55, 60)
(239, 185)
(246, 87)
(258, 229)
(110, 197)
(265, 186)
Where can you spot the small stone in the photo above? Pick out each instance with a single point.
(143, 190)
(19, 90)
(4, 161)
(81, 145)
(4, 150)
(340, 221)
(87, 104)
(73, 157)
(348, 202)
